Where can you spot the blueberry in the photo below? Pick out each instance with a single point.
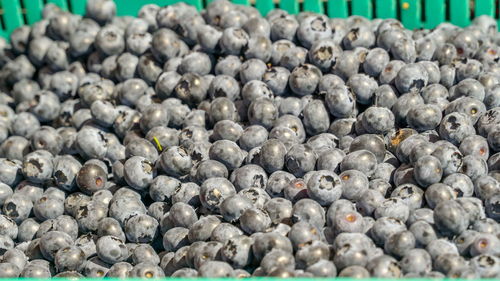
(295, 190)
(351, 249)
(293, 57)
(384, 266)
(361, 160)
(222, 109)
(259, 47)
(460, 183)
(215, 269)
(389, 73)
(119, 270)
(492, 97)
(48, 208)
(141, 228)
(377, 120)
(175, 161)
(484, 244)
(252, 136)
(185, 272)
(257, 196)
(384, 227)
(310, 211)
(255, 89)
(138, 172)
(449, 156)
(266, 242)
(276, 78)
(214, 191)
(229, 65)
(399, 244)
(237, 251)
(450, 263)
(411, 77)
(491, 206)
(11, 176)
(354, 271)
(190, 88)
(404, 49)
(123, 207)
(446, 53)
(101, 10)
(70, 258)
(325, 187)
(437, 193)
(324, 54)
(146, 270)
(471, 107)
(450, 217)
(330, 160)
(283, 28)
(233, 40)
(313, 28)
(53, 241)
(205, 252)
(225, 231)
(354, 183)
(111, 227)
(90, 178)
(468, 68)
(17, 207)
(187, 193)
(485, 265)
(277, 259)
(262, 112)
(206, 169)
(9, 270)
(348, 222)
(426, 48)
(304, 79)
(427, 170)
(202, 229)
(485, 187)
(279, 210)
(280, 48)
(426, 117)
(110, 41)
(340, 101)
(393, 207)
(363, 87)
(273, 155)
(311, 254)
(416, 261)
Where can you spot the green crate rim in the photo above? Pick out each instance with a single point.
(412, 13)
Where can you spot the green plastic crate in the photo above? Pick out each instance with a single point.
(413, 13)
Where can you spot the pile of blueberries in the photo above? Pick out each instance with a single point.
(222, 143)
